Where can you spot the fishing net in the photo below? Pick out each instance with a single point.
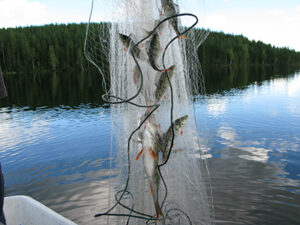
(150, 63)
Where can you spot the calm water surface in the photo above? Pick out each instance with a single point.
(54, 144)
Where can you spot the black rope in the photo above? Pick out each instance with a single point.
(108, 98)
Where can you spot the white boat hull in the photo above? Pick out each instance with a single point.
(24, 210)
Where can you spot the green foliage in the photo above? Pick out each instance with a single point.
(59, 47)
(53, 60)
(227, 49)
(54, 47)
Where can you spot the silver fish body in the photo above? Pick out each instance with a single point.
(150, 150)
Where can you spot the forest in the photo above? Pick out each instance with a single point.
(228, 49)
(59, 47)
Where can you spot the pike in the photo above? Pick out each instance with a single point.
(163, 83)
(150, 153)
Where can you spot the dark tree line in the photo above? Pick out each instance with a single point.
(60, 47)
(41, 48)
(227, 49)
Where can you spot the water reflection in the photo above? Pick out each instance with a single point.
(52, 90)
(220, 79)
(252, 132)
(79, 200)
(294, 88)
(59, 156)
(55, 144)
(216, 106)
(252, 192)
(249, 149)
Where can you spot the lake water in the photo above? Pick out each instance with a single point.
(55, 135)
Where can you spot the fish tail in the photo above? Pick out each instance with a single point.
(158, 210)
(155, 67)
(156, 204)
(171, 68)
(184, 36)
(181, 35)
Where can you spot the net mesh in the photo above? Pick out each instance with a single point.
(152, 69)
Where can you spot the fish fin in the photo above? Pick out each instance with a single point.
(153, 154)
(140, 153)
(184, 37)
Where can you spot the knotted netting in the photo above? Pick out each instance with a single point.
(149, 61)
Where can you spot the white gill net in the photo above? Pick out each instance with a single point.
(157, 165)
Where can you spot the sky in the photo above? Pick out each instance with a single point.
(275, 22)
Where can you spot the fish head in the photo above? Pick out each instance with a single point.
(124, 39)
(183, 120)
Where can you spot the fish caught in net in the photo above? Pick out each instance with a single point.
(150, 63)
